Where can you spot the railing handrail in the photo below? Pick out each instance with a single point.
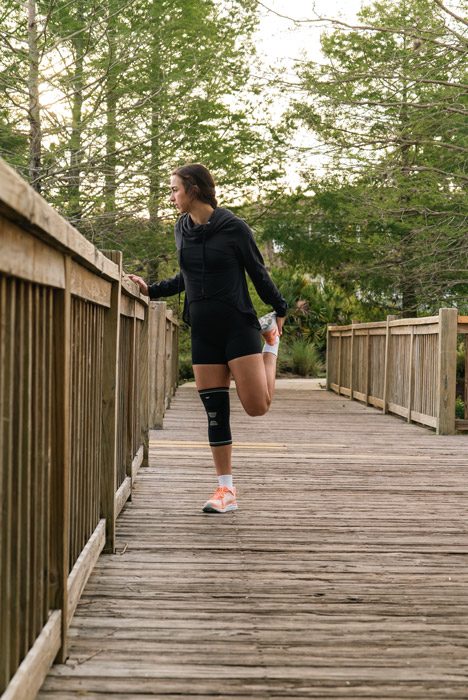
(78, 353)
(388, 359)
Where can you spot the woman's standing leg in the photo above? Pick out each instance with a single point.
(213, 383)
(212, 377)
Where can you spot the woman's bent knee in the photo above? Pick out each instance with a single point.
(258, 409)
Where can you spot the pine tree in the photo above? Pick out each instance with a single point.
(389, 215)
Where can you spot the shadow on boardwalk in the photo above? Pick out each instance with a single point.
(342, 575)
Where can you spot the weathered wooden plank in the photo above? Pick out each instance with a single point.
(123, 493)
(26, 257)
(110, 393)
(137, 462)
(140, 311)
(127, 305)
(85, 563)
(20, 203)
(60, 464)
(31, 673)
(86, 285)
(358, 591)
(447, 372)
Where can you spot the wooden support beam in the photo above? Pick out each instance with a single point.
(410, 375)
(159, 337)
(110, 388)
(60, 464)
(446, 386)
(388, 349)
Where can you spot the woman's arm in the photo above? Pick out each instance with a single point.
(255, 266)
(165, 288)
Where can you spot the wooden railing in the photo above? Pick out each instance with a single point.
(403, 366)
(87, 367)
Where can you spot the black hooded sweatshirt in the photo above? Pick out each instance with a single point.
(213, 258)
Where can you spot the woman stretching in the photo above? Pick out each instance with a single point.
(215, 248)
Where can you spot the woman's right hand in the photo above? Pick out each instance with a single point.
(141, 283)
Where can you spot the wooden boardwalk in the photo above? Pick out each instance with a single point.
(344, 574)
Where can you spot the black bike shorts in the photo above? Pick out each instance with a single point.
(221, 333)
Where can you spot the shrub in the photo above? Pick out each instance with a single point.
(459, 408)
(185, 368)
(306, 359)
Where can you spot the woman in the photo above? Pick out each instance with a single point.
(215, 249)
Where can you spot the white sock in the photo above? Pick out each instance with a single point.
(272, 348)
(225, 480)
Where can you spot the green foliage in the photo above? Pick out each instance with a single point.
(185, 368)
(313, 304)
(306, 359)
(461, 354)
(129, 91)
(388, 107)
(459, 408)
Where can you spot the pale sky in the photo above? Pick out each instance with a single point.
(281, 41)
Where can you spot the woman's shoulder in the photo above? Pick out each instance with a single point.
(229, 221)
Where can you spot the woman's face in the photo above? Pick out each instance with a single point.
(179, 196)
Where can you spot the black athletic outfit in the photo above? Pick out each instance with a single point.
(213, 259)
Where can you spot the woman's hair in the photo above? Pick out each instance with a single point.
(194, 174)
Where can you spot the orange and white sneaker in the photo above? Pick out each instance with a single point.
(269, 328)
(221, 501)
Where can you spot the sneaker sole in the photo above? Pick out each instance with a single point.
(210, 509)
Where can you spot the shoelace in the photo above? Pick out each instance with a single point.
(220, 492)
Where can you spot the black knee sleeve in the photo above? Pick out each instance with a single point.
(216, 402)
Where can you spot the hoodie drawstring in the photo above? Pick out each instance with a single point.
(180, 264)
(203, 266)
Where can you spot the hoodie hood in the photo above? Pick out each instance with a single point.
(220, 219)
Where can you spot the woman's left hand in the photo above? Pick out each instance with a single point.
(280, 323)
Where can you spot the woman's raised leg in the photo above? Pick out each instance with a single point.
(255, 376)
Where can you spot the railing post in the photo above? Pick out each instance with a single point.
(60, 463)
(168, 366)
(130, 399)
(110, 388)
(368, 363)
(328, 357)
(446, 386)
(175, 357)
(339, 362)
(465, 393)
(145, 374)
(411, 374)
(159, 390)
(354, 322)
(387, 378)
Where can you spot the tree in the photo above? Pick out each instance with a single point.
(130, 89)
(389, 105)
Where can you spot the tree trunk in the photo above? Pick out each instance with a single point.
(408, 293)
(409, 301)
(110, 176)
(74, 194)
(34, 112)
(155, 163)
